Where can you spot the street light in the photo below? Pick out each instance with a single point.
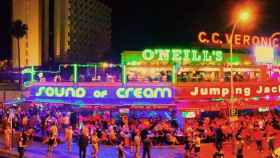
(243, 17)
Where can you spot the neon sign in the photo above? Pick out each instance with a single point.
(128, 94)
(181, 55)
(222, 90)
(239, 40)
(144, 92)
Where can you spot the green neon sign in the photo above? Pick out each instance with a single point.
(179, 55)
(172, 56)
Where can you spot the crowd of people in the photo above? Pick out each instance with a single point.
(59, 124)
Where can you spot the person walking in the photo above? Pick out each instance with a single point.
(239, 147)
(147, 147)
(121, 153)
(83, 143)
(21, 145)
(258, 138)
(137, 143)
(68, 136)
(51, 144)
(95, 146)
(219, 154)
(7, 138)
(187, 147)
(219, 138)
(197, 142)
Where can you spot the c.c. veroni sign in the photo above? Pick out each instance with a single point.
(238, 40)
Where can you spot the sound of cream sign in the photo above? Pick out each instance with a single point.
(223, 90)
(148, 94)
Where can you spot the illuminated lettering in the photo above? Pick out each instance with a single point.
(247, 91)
(246, 40)
(176, 54)
(100, 93)
(182, 55)
(228, 40)
(202, 37)
(80, 92)
(219, 55)
(275, 42)
(195, 56)
(255, 40)
(205, 54)
(40, 91)
(148, 54)
(61, 92)
(147, 93)
(265, 41)
(70, 90)
(121, 93)
(215, 38)
(237, 39)
(163, 54)
(49, 91)
(138, 93)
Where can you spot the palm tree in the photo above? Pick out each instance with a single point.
(19, 30)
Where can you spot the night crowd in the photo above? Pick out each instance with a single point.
(54, 125)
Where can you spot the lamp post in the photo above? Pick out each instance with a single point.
(243, 16)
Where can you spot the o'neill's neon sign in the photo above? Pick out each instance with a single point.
(181, 55)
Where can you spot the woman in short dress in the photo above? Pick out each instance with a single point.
(95, 146)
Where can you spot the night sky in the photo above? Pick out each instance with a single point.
(138, 24)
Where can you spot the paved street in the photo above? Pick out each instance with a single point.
(38, 150)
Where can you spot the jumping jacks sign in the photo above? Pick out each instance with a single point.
(223, 90)
(98, 94)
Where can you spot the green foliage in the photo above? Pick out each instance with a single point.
(19, 29)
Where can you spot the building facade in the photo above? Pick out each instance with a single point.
(61, 30)
(90, 30)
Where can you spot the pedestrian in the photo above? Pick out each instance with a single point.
(187, 147)
(219, 138)
(239, 147)
(69, 137)
(147, 144)
(121, 153)
(197, 141)
(258, 139)
(83, 143)
(7, 138)
(95, 146)
(219, 154)
(270, 137)
(51, 144)
(21, 145)
(137, 143)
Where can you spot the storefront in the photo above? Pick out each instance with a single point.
(182, 79)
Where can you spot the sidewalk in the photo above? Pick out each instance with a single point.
(39, 150)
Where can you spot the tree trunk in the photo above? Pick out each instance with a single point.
(19, 69)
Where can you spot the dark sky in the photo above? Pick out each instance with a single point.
(5, 25)
(137, 24)
(151, 23)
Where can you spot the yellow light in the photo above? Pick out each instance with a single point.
(264, 54)
(105, 65)
(244, 16)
